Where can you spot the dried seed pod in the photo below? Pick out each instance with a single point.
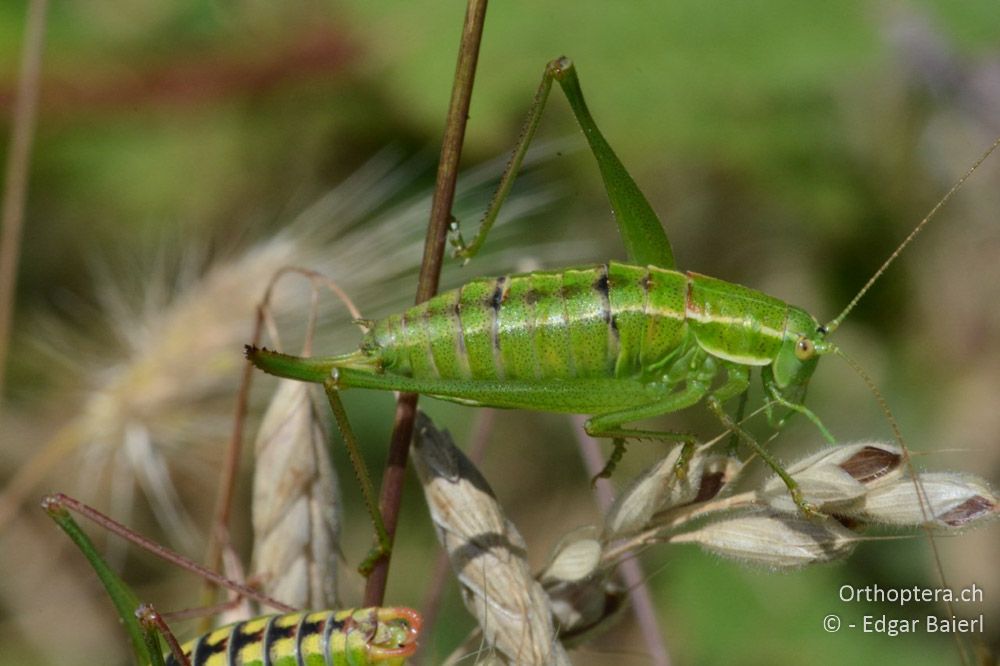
(582, 595)
(296, 503)
(716, 473)
(486, 552)
(772, 539)
(585, 608)
(953, 500)
(659, 488)
(871, 463)
(837, 477)
(576, 557)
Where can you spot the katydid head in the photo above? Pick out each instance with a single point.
(786, 378)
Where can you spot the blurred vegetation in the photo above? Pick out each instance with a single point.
(788, 146)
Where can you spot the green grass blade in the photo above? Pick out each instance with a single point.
(154, 649)
(145, 643)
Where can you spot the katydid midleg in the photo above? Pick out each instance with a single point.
(621, 342)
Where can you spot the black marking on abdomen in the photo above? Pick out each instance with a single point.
(269, 637)
(460, 348)
(647, 285)
(499, 295)
(204, 651)
(601, 286)
(601, 283)
(239, 639)
(497, 298)
(332, 625)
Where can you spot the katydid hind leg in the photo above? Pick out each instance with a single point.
(645, 240)
(465, 250)
(642, 232)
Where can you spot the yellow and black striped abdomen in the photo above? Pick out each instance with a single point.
(321, 638)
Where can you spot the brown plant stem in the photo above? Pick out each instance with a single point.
(390, 497)
(16, 174)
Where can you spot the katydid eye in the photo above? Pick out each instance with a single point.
(804, 349)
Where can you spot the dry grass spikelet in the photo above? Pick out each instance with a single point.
(487, 553)
(296, 504)
(149, 381)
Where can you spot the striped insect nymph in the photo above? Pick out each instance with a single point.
(353, 637)
(384, 636)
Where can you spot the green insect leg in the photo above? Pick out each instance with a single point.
(800, 409)
(383, 545)
(737, 382)
(609, 425)
(771, 461)
(644, 238)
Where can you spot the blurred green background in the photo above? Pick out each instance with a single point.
(787, 146)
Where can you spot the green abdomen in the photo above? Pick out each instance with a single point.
(609, 320)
